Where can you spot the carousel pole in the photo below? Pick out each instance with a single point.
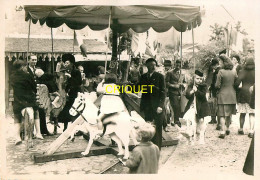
(74, 35)
(109, 24)
(52, 59)
(28, 43)
(194, 67)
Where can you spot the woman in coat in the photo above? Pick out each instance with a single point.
(247, 77)
(226, 95)
(72, 88)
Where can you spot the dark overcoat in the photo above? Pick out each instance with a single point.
(151, 100)
(226, 93)
(247, 77)
(202, 106)
(24, 88)
(156, 97)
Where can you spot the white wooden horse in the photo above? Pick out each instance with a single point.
(119, 131)
(190, 127)
(28, 119)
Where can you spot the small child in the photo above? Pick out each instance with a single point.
(48, 80)
(145, 156)
(199, 89)
(111, 103)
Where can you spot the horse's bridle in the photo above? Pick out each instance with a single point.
(80, 112)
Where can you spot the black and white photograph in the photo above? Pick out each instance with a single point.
(107, 88)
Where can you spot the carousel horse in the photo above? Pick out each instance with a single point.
(119, 127)
(28, 119)
(190, 127)
(53, 103)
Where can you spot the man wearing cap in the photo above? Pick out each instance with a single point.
(152, 101)
(199, 89)
(174, 81)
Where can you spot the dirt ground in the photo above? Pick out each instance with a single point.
(216, 156)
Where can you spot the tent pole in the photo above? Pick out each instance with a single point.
(109, 21)
(28, 43)
(73, 41)
(194, 101)
(52, 59)
(181, 56)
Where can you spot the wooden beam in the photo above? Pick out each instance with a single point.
(95, 151)
(63, 137)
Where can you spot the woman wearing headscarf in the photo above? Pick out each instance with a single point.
(226, 95)
(247, 77)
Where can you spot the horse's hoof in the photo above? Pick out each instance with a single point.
(72, 139)
(201, 142)
(84, 154)
(17, 142)
(120, 156)
(39, 137)
(124, 159)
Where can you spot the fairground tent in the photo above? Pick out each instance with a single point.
(138, 17)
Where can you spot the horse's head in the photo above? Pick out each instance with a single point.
(78, 105)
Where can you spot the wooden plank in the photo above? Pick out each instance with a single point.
(63, 137)
(95, 151)
(172, 142)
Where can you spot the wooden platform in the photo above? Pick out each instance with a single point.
(103, 146)
(102, 149)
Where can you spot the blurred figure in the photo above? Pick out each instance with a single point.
(236, 63)
(226, 95)
(134, 74)
(174, 83)
(214, 68)
(247, 77)
(24, 88)
(249, 163)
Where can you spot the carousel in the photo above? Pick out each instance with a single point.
(139, 18)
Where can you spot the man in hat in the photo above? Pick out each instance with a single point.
(174, 81)
(197, 90)
(152, 101)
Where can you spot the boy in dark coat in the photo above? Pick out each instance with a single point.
(199, 89)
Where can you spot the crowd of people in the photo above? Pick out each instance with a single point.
(225, 89)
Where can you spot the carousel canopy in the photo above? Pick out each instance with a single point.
(138, 17)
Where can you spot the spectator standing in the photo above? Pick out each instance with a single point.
(152, 102)
(214, 67)
(247, 77)
(72, 88)
(236, 63)
(174, 82)
(226, 95)
(40, 114)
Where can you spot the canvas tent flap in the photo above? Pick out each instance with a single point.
(139, 17)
